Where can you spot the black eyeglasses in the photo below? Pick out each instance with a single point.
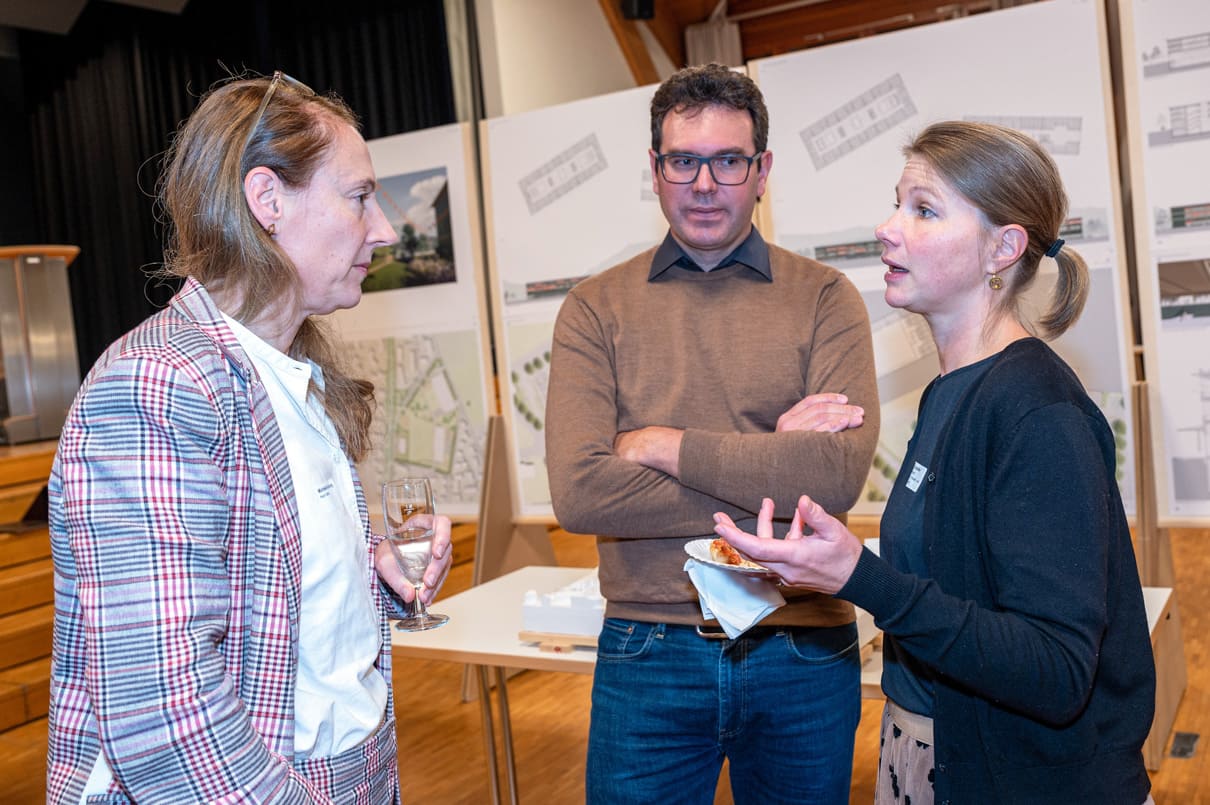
(727, 169)
(278, 78)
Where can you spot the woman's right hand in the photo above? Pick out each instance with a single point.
(434, 575)
(820, 561)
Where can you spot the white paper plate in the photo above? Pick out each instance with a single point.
(699, 549)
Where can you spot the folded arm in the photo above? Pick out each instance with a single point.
(664, 481)
(659, 447)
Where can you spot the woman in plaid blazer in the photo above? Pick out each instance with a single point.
(221, 626)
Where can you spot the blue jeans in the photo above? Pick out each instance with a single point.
(780, 703)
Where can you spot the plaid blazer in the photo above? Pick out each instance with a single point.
(175, 539)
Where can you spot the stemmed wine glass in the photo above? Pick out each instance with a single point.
(407, 508)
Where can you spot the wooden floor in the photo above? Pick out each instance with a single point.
(441, 750)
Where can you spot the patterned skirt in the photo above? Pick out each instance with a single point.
(905, 758)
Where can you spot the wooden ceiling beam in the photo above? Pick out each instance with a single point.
(836, 20)
(670, 33)
(772, 27)
(634, 50)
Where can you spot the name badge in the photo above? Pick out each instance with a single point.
(918, 471)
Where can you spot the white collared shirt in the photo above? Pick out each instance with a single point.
(340, 696)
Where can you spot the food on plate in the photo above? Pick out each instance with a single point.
(722, 552)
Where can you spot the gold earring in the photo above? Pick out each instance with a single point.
(995, 283)
(272, 230)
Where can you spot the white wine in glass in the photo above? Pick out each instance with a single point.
(407, 508)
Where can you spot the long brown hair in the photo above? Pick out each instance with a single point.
(213, 237)
(1011, 180)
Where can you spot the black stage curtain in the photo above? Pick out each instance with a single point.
(103, 102)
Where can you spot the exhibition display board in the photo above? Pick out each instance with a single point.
(839, 118)
(568, 194)
(420, 332)
(1166, 63)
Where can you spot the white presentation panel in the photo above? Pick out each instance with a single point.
(839, 117)
(420, 332)
(569, 194)
(1166, 58)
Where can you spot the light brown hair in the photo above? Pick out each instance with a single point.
(1011, 179)
(213, 237)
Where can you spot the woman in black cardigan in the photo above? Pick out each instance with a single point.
(1017, 659)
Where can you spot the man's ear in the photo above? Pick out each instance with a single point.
(763, 166)
(263, 191)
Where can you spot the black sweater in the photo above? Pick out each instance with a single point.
(1033, 614)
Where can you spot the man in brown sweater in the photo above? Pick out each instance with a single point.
(699, 377)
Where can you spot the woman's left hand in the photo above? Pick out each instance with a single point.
(434, 574)
(820, 561)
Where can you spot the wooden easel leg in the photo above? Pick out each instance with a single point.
(1170, 681)
(501, 545)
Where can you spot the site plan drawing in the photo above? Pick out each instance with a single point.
(426, 423)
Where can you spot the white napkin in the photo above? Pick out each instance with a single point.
(737, 601)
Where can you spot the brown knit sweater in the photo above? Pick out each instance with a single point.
(721, 355)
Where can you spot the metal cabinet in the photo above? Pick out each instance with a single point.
(39, 368)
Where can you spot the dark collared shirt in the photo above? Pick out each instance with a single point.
(752, 252)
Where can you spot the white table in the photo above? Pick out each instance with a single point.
(482, 631)
(485, 621)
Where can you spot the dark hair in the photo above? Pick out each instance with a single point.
(213, 237)
(695, 88)
(1011, 180)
